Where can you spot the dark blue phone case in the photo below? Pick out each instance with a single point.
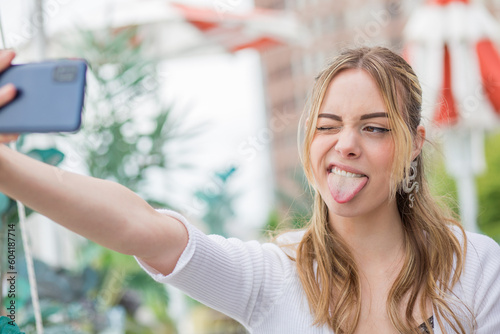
(49, 97)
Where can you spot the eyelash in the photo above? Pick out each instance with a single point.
(378, 129)
(374, 129)
(327, 129)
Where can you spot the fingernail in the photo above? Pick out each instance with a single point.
(6, 53)
(6, 88)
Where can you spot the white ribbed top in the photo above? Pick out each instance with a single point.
(258, 285)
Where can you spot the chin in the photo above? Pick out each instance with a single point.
(358, 207)
(348, 210)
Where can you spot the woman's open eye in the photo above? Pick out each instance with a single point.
(375, 129)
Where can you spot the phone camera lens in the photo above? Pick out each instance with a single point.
(65, 73)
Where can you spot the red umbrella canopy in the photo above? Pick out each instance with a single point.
(445, 2)
(489, 63)
(450, 45)
(256, 29)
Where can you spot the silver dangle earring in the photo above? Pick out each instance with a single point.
(408, 186)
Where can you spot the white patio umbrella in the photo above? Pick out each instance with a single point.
(450, 44)
(175, 29)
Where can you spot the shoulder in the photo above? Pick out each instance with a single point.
(483, 256)
(479, 281)
(482, 248)
(289, 241)
(482, 263)
(478, 245)
(291, 237)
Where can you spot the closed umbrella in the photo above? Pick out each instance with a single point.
(451, 46)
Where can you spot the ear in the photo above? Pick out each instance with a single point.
(418, 142)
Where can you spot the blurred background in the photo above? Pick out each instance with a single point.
(195, 105)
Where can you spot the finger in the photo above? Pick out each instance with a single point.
(6, 57)
(6, 138)
(7, 93)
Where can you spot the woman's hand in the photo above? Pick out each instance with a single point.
(7, 92)
(7, 138)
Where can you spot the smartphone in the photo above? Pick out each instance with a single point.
(50, 97)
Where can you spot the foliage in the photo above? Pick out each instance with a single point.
(124, 138)
(8, 207)
(7, 326)
(294, 212)
(127, 129)
(442, 185)
(489, 189)
(64, 298)
(273, 223)
(218, 202)
(125, 135)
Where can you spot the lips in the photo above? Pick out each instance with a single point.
(345, 168)
(341, 172)
(345, 182)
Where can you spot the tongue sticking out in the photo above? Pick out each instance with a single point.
(344, 188)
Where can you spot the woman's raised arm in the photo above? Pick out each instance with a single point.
(102, 211)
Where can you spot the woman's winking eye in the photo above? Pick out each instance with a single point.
(328, 128)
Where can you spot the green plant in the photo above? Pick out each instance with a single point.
(218, 202)
(489, 189)
(123, 142)
(442, 185)
(7, 326)
(295, 210)
(488, 186)
(120, 141)
(8, 208)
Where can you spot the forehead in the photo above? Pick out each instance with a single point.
(352, 93)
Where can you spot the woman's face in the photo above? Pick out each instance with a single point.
(352, 151)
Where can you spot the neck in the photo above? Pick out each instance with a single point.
(374, 239)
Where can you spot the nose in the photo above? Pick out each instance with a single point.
(347, 144)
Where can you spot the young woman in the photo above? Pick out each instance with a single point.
(378, 255)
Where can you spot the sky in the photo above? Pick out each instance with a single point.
(221, 91)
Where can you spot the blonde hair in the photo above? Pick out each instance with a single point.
(434, 256)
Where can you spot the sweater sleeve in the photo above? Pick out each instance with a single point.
(483, 282)
(240, 279)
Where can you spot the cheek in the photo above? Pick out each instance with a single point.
(318, 150)
(383, 157)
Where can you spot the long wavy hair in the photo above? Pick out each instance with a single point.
(434, 255)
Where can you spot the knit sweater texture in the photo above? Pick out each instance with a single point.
(258, 285)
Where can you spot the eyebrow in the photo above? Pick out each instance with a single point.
(366, 116)
(374, 115)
